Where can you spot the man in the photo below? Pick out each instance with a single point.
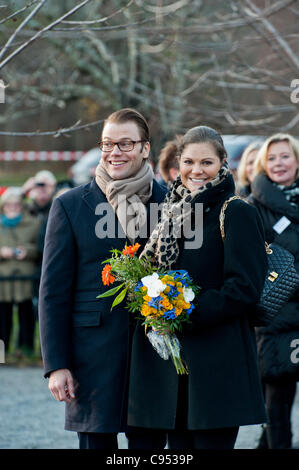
(85, 346)
(40, 190)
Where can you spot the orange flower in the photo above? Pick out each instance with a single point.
(130, 250)
(107, 277)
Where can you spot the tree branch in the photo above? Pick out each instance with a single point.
(41, 32)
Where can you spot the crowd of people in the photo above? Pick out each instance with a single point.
(23, 219)
(101, 364)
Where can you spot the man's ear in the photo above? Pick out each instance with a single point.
(146, 149)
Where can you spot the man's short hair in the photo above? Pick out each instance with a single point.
(129, 114)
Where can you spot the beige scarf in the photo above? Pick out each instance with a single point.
(128, 197)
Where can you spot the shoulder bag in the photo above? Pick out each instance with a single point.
(282, 279)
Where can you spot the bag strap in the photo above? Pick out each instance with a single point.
(222, 217)
(222, 214)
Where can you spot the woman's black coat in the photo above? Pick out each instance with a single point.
(219, 348)
(78, 331)
(274, 340)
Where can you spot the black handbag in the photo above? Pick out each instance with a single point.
(281, 283)
(282, 279)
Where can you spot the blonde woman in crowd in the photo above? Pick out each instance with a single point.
(275, 194)
(245, 169)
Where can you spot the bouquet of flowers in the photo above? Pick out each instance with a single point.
(163, 300)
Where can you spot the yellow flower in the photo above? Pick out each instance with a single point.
(177, 311)
(145, 310)
(147, 298)
(165, 302)
(179, 284)
(180, 303)
(167, 289)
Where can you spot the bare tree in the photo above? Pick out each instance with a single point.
(225, 64)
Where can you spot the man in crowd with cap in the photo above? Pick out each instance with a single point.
(38, 192)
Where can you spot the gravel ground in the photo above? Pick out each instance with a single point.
(30, 418)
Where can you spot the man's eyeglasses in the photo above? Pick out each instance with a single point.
(124, 145)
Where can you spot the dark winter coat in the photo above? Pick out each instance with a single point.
(274, 340)
(78, 331)
(219, 348)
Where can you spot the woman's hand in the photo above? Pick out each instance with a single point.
(6, 252)
(21, 253)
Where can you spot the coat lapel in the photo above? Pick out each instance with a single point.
(93, 195)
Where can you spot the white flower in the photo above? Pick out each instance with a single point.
(188, 294)
(153, 284)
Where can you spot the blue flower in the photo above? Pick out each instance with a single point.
(137, 287)
(169, 314)
(173, 291)
(155, 302)
(192, 307)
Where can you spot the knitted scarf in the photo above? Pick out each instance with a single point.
(10, 222)
(162, 247)
(291, 192)
(128, 197)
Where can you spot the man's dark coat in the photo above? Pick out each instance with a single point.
(78, 331)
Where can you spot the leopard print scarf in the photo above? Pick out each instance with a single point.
(162, 247)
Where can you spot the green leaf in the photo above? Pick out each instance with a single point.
(110, 291)
(119, 298)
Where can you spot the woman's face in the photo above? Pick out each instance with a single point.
(199, 164)
(250, 164)
(281, 163)
(12, 208)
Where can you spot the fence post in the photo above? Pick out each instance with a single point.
(2, 91)
(2, 352)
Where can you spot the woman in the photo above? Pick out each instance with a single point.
(18, 252)
(245, 169)
(168, 162)
(275, 194)
(204, 409)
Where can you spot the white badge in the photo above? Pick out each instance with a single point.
(281, 225)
